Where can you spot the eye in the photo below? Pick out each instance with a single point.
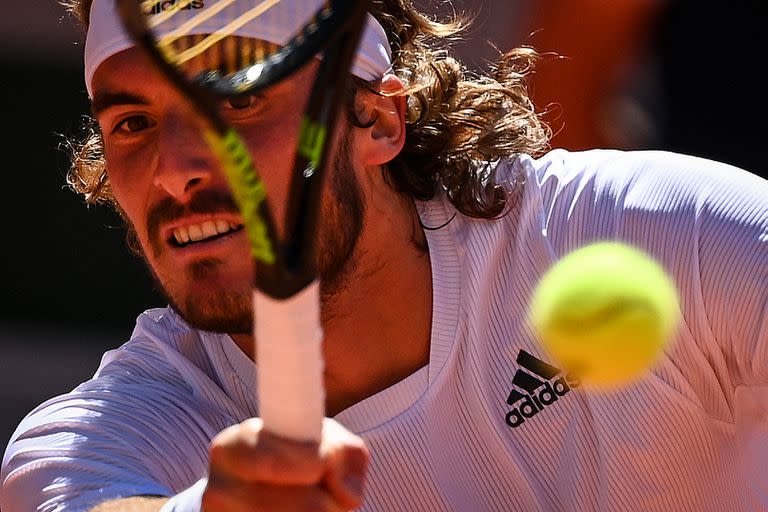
(242, 105)
(134, 124)
(240, 102)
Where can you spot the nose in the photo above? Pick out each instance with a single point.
(184, 162)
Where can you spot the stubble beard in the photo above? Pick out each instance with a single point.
(341, 224)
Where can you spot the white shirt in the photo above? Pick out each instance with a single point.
(487, 425)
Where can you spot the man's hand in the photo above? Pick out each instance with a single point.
(253, 470)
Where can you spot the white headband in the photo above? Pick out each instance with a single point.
(106, 36)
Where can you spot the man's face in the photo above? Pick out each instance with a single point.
(175, 195)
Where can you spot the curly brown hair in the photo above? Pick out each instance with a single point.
(458, 122)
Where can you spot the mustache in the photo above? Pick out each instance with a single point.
(169, 210)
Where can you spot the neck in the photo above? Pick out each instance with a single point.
(378, 331)
(377, 328)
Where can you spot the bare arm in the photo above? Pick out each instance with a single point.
(133, 504)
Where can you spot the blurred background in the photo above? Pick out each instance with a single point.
(665, 74)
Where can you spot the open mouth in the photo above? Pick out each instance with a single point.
(207, 231)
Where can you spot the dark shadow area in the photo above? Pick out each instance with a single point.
(71, 288)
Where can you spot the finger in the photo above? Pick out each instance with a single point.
(248, 453)
(231, 496)
(347, 459)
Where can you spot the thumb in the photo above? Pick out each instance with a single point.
(346, 460)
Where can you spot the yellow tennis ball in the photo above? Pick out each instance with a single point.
(605, 312)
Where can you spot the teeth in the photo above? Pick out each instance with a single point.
(195, 232)
(181, 235)
(208, 229)
(222, 226)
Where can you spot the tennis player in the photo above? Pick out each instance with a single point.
(444, 209)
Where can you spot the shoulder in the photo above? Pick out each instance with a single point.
(165, 360)
(705, 221)
(665, 169)
(147, 382)
(157, 342)
(139, 374)
(611, 187)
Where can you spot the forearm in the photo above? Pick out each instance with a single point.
(133, 504)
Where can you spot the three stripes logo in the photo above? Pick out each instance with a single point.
(540, 386)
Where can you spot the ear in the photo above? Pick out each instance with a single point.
(383, 116)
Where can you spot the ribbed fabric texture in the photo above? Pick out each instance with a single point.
(489, 424)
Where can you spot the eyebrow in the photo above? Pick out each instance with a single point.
(104, 100)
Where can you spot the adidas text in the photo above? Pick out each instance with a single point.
(543, 386)
(164, 5)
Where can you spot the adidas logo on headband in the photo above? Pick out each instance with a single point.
(165, 5)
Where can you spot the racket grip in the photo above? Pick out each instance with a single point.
(291, 391)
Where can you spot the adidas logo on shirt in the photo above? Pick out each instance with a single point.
(539, 386)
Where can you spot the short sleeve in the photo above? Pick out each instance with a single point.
(136, 428)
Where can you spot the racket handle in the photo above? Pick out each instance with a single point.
(291, 390)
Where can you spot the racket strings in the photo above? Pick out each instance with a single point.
(175, 43)
(217, 50)
(165, 15)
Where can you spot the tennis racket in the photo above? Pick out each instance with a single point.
(286, 295)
